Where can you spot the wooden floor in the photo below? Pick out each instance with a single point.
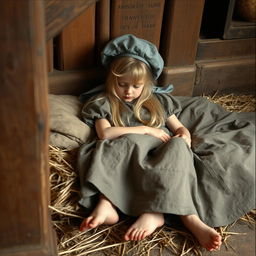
(242, 244)
(238, 245)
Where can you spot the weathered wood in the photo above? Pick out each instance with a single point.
(180, 33)
(226, 76)
(59, 14)
(24, 184)
(240, 29)
(50, 60)
(182, 78)
(217, 48)
(76, 44)
(75, 82)
(142, 18)
(102, 35)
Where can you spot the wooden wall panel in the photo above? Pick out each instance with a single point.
(59, 13)
(217, 48)
(180, 33)
(76, 45)
(225, 76)
(24, 185)
(75, 82)
(143, 18)
(177, 30)
(102, 26)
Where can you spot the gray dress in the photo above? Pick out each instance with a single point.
(215, 179)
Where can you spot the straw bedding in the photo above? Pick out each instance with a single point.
(107, 240)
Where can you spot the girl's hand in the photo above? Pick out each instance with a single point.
(185, 137)
(158, 133)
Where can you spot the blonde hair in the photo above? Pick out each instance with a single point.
(137, 71)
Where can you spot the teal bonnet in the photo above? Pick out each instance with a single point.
(131, 46)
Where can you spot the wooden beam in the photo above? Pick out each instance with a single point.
(225, 76)
(218, 48)
(75, 82)
(25, 221)
(59, 13)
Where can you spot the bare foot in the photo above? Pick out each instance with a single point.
(104, 213)
(208, 237)
(144, 226)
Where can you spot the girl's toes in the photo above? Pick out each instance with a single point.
(210, 248)
(138, 235)
(134, 235)
(216, 244)
(128, 235)
(85, 224)
(142, 235)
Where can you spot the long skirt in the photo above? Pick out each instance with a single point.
(214, 179)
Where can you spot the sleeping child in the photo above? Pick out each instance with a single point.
(157, 155)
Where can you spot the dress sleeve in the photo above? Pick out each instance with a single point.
(170, 104)
(97, 108)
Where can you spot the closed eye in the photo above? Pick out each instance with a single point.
(137, 86)
(122, 84)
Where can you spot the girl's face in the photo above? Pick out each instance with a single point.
(127, 90)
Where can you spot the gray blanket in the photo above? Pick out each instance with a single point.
(215, 179)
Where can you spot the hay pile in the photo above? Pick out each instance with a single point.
(235, 103)
(107, 240)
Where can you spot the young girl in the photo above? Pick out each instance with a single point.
(142, 163)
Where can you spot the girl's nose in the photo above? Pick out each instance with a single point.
(128, 90)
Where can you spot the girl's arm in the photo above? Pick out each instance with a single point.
(178, 129)
(106, 131)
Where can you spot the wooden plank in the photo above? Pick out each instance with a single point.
(240, 30)
(76, 44)
(59, 13)
(27, 251)
(49, 51)
(217, 48)
(182, 78)
(75, 82)
(226, 76)
(142, 18)
(102, 27)
(24, 184)
(181, 27)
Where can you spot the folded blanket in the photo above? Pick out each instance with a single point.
(67, 130)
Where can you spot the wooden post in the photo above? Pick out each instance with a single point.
(180, 34)
(24, 185)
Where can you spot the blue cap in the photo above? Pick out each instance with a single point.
(131, 46)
